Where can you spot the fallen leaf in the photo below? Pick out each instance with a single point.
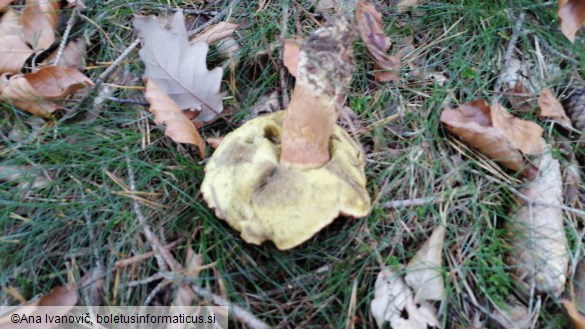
(39, 19)
(227, 47)
(521, 98)
(290, 56)
(572, 15)
(11, 24)
(576, 316)
(25, 176)
(369, 25)
(404, 5)
(178, 67)
(538, 241)
(394, 303)
(73, 55)
(75, 4)
(219, 31)
(496, 133)
(551, 108)
(177, 126)
(13, 54)
(514, 315)
(36, 92)
(4, 3)
(267, 103)
(215, 141)
(64, 296)
(423, 272)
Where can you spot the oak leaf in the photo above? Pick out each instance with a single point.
(178, 67)
(36, 92)
(551, 108)
(39, 19)
(177, 126)
(572, 15)
(496, 133)
(369, 25)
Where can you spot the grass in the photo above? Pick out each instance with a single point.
(81, 219)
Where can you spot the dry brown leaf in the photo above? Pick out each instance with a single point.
(423, 272)
(404, 5)
(13, 54)
(75, 3)
(551, 108)
(39, 19)
(290, 56)
(4, 3)
(496, 133)
(572, 15)
(538, 241)
(394, 303)
(521, 98)
(65, 296)
(178, 67)
(369, 25)
(514, 315)
(576, 316)
(73, 55)
(177, 126)
(35, 92)
(217, 32)
(11, 24)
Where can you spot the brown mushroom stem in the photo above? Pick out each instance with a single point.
(324, 71)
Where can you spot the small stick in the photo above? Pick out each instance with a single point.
(283, 34)
(509, 51)
(102, 77)
(139, 258)
(63, 43)
(411, 202)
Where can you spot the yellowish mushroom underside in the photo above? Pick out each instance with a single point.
(247, 186)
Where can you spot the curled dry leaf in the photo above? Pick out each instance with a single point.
(36, 92)
(13, 54)
(218, 31)
(423, 271)
(178, 67)
(177, 126)
(538, 241)
(39, 19)
(369, 25)
(496, 133)
(73, 55)
(551, 108)
(572, 15)
(577, 318)
(64, 296)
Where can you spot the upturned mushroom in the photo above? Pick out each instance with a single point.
(285, 176)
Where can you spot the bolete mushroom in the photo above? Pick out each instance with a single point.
(285, 176)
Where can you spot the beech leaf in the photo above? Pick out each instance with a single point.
(35, 92)
(178, 67)
(538, 242)
(369, 25)
(551, 108)
(496, 133)
(177, 126)
(11, 24)
(13, 54)
(73, 55)
(572, 15)
(39, 19)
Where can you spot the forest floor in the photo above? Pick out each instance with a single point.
(98, 169)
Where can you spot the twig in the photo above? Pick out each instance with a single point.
(509, 52)
(412, 202)
(237, 312)
(70, 23)
(139, 258)
(210, 22)
(127, 101)
(283, 34)
(162, 255)
(102, 77)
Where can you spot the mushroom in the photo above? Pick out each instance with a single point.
(285, 176)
